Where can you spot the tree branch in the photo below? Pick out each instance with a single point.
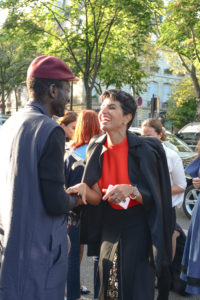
(184, 63)
(69, 48)
(56, 19)
(97, 64)
(195, 45)
(88, 51)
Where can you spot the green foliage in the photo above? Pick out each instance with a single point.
(122, 66)
(182, 105)
(183, 91)
(16, 52)
(183, 114)
(180, 30)
(89, 35)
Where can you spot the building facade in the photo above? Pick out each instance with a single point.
(158, 84)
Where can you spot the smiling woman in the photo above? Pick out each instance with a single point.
(124, 168)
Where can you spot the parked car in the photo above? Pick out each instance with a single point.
(190, 198)
(187, 155)
(3, 118)
(190, 134)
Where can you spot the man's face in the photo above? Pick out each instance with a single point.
(62, 97)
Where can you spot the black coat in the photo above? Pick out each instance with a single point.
(147, 166)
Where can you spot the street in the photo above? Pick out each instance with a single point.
(87, 266)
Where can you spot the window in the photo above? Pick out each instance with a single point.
(167, 71)
(166, 92)
(154, 69)
(152, 90)
(181, 74)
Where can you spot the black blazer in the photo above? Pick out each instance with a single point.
(147, 166)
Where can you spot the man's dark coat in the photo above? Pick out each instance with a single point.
(33, 243)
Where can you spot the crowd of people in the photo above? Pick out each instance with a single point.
(86, 179)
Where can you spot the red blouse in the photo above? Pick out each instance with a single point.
(115, 168)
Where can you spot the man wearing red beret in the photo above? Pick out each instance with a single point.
(33, 201)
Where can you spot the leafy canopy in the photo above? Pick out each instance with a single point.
(88, 34)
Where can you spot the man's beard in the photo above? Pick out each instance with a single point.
(58, 110)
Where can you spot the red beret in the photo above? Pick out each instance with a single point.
(50, 67)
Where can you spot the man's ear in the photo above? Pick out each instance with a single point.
(53, 90)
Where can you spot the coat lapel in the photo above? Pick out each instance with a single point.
(134, 157)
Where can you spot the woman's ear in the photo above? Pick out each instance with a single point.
(62, 125)
(127, 118)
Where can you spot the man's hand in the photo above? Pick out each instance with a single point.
(80, 191)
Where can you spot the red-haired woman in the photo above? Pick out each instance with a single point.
(87, 126)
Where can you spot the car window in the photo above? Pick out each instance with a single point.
(189, 136)
(190, 128)
(179, 144)
(172, 142)
(2, 120)
(171, 146)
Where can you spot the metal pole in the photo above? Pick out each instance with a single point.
(152, 106)
(71, 100)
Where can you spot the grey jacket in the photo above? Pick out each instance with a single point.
(34, 244)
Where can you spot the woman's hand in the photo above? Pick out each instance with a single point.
(80, 190)
(196, 182)
(120, 192)
(93, 194)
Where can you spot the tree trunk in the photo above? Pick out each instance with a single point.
(88, 94)
(2, 99)
(197, 117)
(197, 91)
(16, 100)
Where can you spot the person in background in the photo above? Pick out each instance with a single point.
(33, 200)
(191, 256)
(129, 176)
(87, 127)
(68, 123)
(154, 128)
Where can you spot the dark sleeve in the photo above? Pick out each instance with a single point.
(160, 214)
(153, 172)
(51, 164)
(56, 200)
(51, 174)
(73, 171)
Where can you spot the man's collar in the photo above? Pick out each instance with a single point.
(39, 107)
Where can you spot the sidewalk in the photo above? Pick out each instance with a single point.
(87, 280)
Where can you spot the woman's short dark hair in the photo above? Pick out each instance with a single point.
(38, 87)
(127, 102)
